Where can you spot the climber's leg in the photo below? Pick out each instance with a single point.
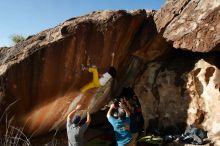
(95, 80)
(87, 87)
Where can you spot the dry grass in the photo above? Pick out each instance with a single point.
(12, 136)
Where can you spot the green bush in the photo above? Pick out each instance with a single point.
(16, 38)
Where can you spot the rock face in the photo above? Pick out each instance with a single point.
(203, 84)
(182, 90)
(42, 76)
(190, 24)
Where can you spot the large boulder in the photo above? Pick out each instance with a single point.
(41, 77)
(190, 24)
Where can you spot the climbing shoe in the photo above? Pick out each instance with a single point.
(151, 140)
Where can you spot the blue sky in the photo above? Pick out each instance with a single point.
(27, 17)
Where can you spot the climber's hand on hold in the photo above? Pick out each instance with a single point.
(83, 67)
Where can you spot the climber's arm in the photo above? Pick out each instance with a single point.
(113, 58)
(88, 119)
(110, 110)
(71, 114)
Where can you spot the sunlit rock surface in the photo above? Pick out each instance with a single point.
(204, 109)
(190, 24)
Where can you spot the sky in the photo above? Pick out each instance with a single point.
(28, 17)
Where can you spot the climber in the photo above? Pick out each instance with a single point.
(97, 82)
(75, 129)
(121, 125)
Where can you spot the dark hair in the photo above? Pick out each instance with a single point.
(112, 71)
(76, 120)
(116, 102)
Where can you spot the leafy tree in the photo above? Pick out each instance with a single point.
(16, 38)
